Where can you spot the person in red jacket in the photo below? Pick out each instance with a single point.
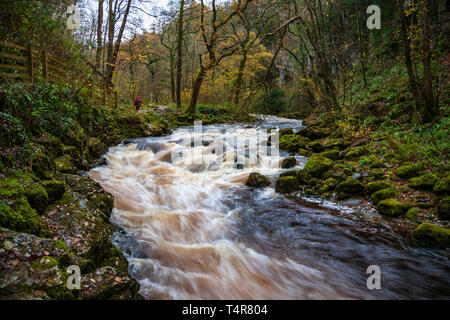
(138, 103)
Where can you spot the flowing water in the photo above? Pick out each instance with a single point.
(197, 232)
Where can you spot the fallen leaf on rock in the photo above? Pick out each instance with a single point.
(117, 279)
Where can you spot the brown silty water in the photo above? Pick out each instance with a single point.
(197, 232)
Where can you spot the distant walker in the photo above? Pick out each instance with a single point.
(138, 103)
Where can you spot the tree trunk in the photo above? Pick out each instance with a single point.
(179, 52)
(99, 33)
(172, 76)
(196, 91)
(112, 53)
(239, 79)
(428, 110)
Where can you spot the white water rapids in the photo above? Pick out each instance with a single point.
(203, 235)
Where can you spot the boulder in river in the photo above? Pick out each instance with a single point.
(257, 180)
(351, 186)
(317, 165)
(287, 185)
(432, 235)
(288, 163)
(392, 208)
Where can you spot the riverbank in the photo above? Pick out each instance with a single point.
(52, 215)
(376, 172)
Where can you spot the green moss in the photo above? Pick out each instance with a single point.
(442, 188)
(55, 189)
(46, 262)
(37, 197)
(425, 182)
(375, 186)
(285, 131)
(382, 195)
(410, 171)
(392, 208)
(444, 208)
(293, 142)
(339, 144)
(316, 146)
(412, 214)
(331, 154)
(331, 184)
(64, 164)
(432, 235)
(19, 216)
(43, 166)
(292, 173)
(378, 174)
(317, 165)
(377, 164)
(303, 152)
(303, 177)
(351, 186)
(343, 168)
(287, 185)
(257, 180)
(356, 152)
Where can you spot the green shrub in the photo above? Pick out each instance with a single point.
(272, 102)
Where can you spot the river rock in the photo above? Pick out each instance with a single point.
(425, 182)
(317, 165)
(288, 163)
(444, 208)
(392, 208)
(383, 195)
(257, 180)
(287, 185)
(409, 171)
(375, 186)
(432, 235)
(351, 186)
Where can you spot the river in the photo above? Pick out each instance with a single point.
(197, 232)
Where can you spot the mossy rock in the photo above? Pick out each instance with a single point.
(64, 164)
(37, 197)
(317, 165)
(377, 164)
(293, 142)
(316, 146)
(285, 131)
(425, 182)
(52, 144)
(291, 173)
(303, 152)
(342, 196)
(444, 208)
(55, 189)
(72, 151)
(331, 184)
(288, 163)
(432, 235)
(382, 195)
(339, 144)
(392, 208)
(257, 180)
(351, 186)
(410, 171)
(312, 133)
(442, 187)
(96, 147)
(375, 186)
(343, 167)
(287, 185)
(378, 174)
(15, 211)
(303, 176)
(43, 166)
(413, 214)
(356, 152)
(331, 154)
